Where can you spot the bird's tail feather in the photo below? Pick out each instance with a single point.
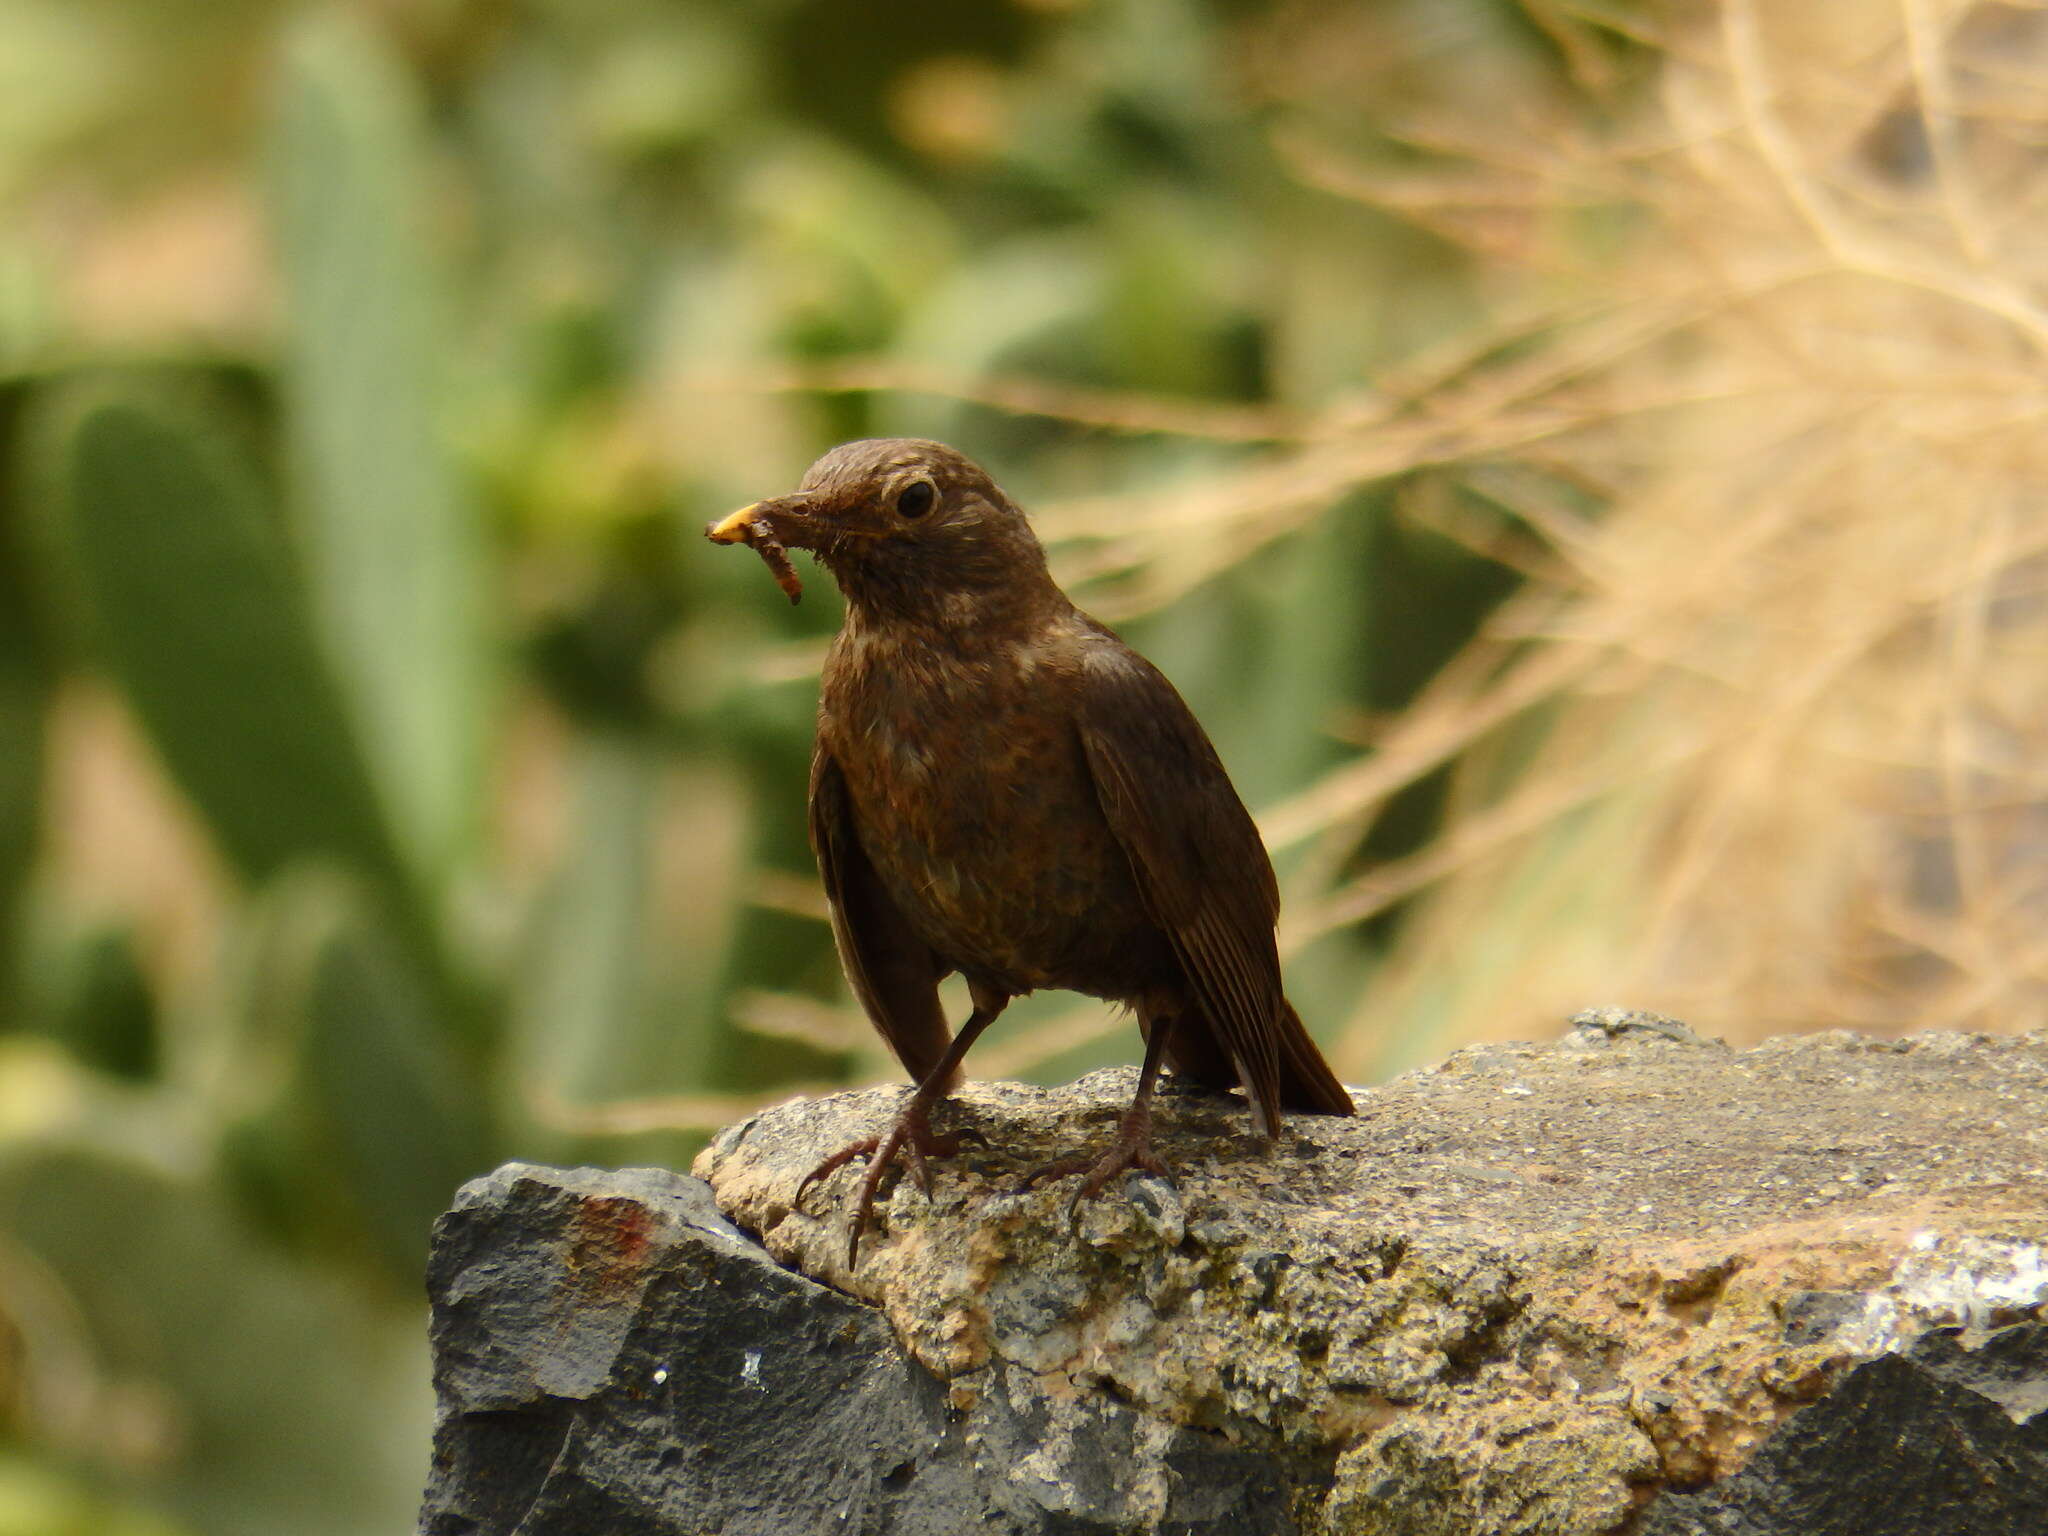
(1306, 1081)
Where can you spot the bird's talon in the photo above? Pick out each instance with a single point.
(1048, 1173)
(831, 1165)
(909, 1145)
(1098, 1173)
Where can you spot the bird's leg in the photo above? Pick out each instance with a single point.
(911, 1137)
(1133, 1145)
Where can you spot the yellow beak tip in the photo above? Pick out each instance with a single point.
(732, 529)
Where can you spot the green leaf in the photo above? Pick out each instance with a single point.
(106, 1013)
(616, 984)
(187, 588)
(41, 1500)
(265, 1397)
(395, 546)
(372, 1122)
(24, 698)
(585, 975)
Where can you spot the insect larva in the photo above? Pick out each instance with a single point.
(776, 559)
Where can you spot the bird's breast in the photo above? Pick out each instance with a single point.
(972, 799)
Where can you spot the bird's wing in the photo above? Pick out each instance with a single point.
(894, 972)
(1199, 864)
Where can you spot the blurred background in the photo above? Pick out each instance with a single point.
(1582, 459)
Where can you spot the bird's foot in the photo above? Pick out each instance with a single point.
(911, 1140)
(1131, 1149)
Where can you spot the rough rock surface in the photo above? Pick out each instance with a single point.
(613, 1358)
(1950, 1435)
(1525, 1291)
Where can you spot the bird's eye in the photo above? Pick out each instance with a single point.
(917, 499)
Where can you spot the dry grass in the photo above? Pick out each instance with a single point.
(1779, 718)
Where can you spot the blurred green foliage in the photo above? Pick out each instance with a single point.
(369, 373)
(188, 598)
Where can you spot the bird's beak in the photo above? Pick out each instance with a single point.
(732, 528)
(786, 517)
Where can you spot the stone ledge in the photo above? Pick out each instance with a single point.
(1528, 1290)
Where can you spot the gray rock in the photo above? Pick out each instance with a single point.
(1945, 1437)
(1528, 1290)
(613, 1357)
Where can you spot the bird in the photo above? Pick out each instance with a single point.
(1001, 788)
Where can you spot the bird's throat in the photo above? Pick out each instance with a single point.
(940, 594)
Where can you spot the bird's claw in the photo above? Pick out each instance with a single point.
(831, 1165)
(917, 1158)
(1097, 1172)
(910, 1140)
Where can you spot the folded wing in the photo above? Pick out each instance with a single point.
(1203, 874)
(894, 972)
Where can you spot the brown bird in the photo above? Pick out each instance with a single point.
(1002, 788)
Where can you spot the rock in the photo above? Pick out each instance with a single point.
(613, 1358)
(1944, 1437)
(1547, 1290)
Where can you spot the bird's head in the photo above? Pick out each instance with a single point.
(905, 525)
